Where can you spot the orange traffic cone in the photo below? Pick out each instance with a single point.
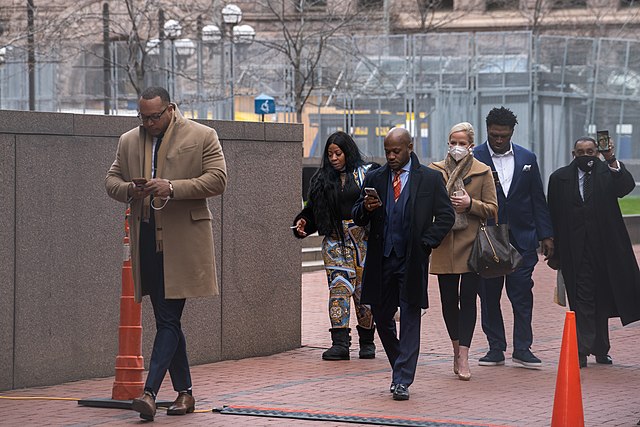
(129, 362)
(567, 405)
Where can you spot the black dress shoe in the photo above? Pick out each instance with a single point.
(392, 387)
(401, 392)
(583, 360)
(604, 359)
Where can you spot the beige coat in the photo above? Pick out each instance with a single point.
(196, 167)
(452, 254)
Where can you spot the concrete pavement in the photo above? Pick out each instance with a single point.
(299, 380)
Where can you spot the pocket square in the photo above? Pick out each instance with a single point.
(526, 168)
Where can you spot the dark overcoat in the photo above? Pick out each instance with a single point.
(431, 219)
(616, 253)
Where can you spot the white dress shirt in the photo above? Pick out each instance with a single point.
(581, 175)
(505, 164)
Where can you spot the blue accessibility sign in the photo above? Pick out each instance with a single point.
(264, 104)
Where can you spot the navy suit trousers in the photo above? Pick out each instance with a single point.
(169, 347)
(402, 351)
(520, 292)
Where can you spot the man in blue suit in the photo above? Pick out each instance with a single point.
(521, 205)
(410, 215)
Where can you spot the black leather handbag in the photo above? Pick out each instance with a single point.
(491, 254)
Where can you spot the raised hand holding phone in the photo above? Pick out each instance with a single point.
(602, 137)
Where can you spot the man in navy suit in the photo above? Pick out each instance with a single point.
(521, 205)
(410, 216)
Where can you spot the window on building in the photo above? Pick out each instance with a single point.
(568, 4)
(502, 5)
(370, 4)
(311, 5)
(425, 5)
(629, 3)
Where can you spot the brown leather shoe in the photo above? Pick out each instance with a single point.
(146, 406)
(184, 404)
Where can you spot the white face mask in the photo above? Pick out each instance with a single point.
(457, 152)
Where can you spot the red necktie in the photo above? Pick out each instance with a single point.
(397, 185)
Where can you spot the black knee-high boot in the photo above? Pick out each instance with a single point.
(367, 347)
(341, 340)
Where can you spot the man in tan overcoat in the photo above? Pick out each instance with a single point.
(166, 168)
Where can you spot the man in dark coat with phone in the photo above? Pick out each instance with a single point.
(592, 245)
(410, 216)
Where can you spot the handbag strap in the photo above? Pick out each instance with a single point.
(483, 227)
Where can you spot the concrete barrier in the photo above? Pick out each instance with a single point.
(62, 248)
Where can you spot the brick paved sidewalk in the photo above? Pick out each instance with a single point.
(299, 380)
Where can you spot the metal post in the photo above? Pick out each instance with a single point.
(161, 47)
(231, 77)
(202, 111)
(2, 61)
(106, 57)
(31, 55)
(114, 77)
(172, 77)
(223, 79)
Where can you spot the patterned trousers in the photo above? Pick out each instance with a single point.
(343, 265)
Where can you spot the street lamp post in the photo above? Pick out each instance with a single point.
(184, 48)
(3, 52)
(241, 34)
(172, 30)
(210, 35)
(235, 34)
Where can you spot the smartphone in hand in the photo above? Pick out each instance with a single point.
(372, 192)
(139, 182)
(602, 138)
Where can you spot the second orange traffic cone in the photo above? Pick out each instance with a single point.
(567, 404)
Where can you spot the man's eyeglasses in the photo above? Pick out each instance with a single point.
(152, 117)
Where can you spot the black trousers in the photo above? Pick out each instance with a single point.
(458, 296)
(169, 347)
(401, 351)
(592, 304)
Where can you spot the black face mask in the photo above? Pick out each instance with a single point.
(586, 163)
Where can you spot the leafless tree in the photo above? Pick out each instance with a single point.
(304, 28)
(137, 25)
(69, 30)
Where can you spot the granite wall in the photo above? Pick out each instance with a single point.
(62, 248)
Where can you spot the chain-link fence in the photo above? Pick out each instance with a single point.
(560, 87)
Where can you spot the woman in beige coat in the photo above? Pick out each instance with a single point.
(473, 196)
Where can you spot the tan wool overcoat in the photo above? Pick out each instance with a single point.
(452, 254)
(195, 165)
